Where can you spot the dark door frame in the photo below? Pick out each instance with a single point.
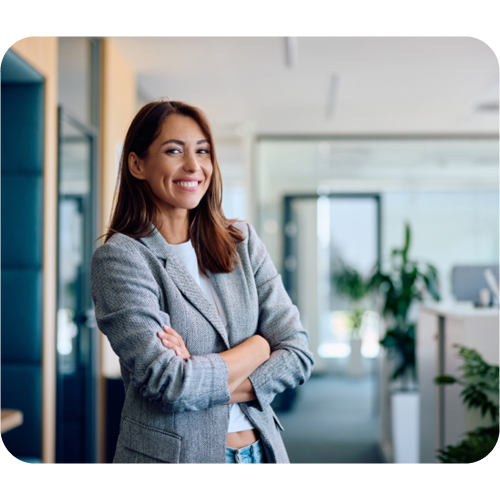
(89, 355)
(289, 243)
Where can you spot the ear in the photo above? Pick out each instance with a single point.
(136, 166)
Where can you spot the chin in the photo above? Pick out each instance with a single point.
(189, 205)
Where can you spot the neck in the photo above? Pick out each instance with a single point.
(175, 226)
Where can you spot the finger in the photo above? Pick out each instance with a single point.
(171, 331)
(172, 340)
(171, 346)
(167, 340)
(163, 334)
(177, 336)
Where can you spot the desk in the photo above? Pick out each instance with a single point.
(443, 417)
(11, 419)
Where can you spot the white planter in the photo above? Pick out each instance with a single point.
(356, 365)
(405, 426)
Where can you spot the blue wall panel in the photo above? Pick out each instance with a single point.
(22, 220)
(22, 316)
(22, 390)
(22, 128)
(22, 298)
(16, 70)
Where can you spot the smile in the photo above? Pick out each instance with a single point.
(188, 186)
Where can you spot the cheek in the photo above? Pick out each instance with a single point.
(209, 170)
(160, 184)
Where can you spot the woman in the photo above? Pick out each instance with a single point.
(192, 305)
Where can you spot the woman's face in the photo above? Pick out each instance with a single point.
(178, 166)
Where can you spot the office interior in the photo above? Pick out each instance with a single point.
(331, 147)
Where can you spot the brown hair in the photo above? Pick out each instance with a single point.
(213, 236)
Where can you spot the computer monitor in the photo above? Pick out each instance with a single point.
(468, 280)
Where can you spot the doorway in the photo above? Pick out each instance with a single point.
(322, 234)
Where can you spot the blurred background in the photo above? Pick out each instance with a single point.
(368, 166)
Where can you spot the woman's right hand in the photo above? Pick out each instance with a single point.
(171, 339)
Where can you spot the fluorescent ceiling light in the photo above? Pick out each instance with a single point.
(332, 95)
(291, 45)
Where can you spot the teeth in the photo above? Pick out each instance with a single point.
(187, 184)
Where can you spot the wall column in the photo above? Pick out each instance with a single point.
(118, 108)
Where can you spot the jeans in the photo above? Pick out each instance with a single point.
(251, 454)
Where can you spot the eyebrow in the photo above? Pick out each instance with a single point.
(182, 143)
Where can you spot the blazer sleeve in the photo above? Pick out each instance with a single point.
(291, 362)
(127, 307)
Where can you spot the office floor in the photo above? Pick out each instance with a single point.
(334, 420)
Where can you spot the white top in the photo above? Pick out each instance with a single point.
(186, 253)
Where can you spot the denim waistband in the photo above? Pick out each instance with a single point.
(251, 454)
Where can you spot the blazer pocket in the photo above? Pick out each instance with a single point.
(155, 443)
(276, 419)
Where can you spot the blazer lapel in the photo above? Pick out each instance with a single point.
(185, 282)
(190, 289)
(225, 284)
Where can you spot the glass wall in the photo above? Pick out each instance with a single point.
(74, 77)
(78, 364)
(449, 228)
(446, 189)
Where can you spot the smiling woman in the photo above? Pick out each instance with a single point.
(192, 305)
(169, 144)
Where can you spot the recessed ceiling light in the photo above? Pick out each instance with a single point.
(291, 47)
(332, 95)
(487, 107)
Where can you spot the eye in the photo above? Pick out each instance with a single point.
(203, 151)
(173, 151)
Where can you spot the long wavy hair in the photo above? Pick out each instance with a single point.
(214, 238)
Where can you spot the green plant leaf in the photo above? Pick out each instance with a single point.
(348, 283)
(407, 242)
(400, 287)
(477, 445)
(480, 380)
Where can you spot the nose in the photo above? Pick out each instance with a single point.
(191, 163)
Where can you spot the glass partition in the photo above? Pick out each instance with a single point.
(77, 344)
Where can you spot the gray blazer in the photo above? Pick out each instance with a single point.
(175, 410)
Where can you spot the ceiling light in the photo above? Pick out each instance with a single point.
(291, 47)
(332, 96)
(487, 107)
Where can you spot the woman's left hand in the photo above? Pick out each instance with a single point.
(171, 339)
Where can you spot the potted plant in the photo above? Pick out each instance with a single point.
(350, 285)
(480, 383)
(406, 282)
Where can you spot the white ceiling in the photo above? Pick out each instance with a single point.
(384, 85)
